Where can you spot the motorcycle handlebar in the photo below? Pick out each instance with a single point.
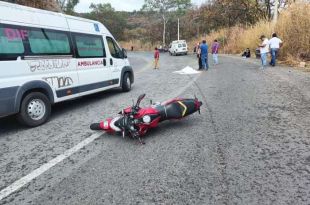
(140, 98)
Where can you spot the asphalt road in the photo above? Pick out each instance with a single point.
(250, 145)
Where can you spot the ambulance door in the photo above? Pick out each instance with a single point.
(93, 70)
(117, 59)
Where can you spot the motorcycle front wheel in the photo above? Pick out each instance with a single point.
(95, 126)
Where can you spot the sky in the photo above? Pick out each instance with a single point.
(119, 5)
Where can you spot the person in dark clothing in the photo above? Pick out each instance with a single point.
(198, 56)
(199, 63)
(247, 53)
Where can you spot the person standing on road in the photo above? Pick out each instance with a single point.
(275, 44)
(156, 58)
(215, 48)
(264, 50)
(198, 51)
(204, 55)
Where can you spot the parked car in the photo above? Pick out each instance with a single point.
(163, 49)
(48, 57)
(178, 48)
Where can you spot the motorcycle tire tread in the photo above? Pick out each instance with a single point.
(95, 126)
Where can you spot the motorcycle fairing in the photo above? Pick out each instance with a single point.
(113, 126)
(105, 125)
(143, 128)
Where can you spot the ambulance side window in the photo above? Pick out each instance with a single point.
(45, 42)
(115, 50)
(89, 46)
(11, 41)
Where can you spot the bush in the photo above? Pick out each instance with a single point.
(293, 27)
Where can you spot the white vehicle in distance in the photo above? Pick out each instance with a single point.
(48, 57)
(178, 48)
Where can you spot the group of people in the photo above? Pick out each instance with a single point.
(273, 45)
(202, 54)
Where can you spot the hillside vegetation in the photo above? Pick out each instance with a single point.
(237, 24)
(293, 27)
(43, 4)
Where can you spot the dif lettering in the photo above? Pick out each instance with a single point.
(15, 34)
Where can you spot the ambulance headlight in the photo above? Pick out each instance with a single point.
(146, 119)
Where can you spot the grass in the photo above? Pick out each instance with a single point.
(138, 45)
(293, 27)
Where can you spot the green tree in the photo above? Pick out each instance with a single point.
(67, 6)
(115, 21)
(165, 8)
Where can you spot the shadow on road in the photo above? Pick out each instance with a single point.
(79, 103)
(10, 124)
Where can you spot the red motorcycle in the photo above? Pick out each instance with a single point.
(135, 121)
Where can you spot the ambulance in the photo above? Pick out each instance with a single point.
(48, 57)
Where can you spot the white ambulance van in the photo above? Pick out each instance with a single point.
(48, 57)
(178, 47)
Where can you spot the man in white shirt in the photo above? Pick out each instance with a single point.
(264, 50)
(275, 44)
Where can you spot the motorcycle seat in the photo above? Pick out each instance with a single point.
(174, 111)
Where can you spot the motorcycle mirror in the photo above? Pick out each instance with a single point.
(140, 98)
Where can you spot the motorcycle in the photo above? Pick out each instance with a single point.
(135, 121)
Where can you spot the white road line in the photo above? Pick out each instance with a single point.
(28, 178)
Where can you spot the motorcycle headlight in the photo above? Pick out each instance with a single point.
(146, 119)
